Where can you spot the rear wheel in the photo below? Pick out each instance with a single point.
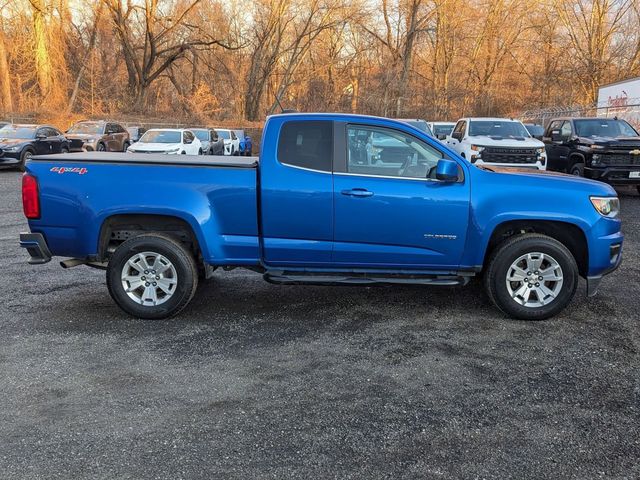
(152, 276)
(531, 277)
(578, 170)
(125, 146)
(101, 147)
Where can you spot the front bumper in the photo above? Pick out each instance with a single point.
(9, 159)
(613, 175)
(36, 246)
(605, 256)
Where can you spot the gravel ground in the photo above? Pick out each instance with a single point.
(255, 380)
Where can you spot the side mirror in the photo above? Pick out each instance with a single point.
(457, 136)
(556, 136)
(447, 170)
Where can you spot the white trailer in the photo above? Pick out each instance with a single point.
(621, 99)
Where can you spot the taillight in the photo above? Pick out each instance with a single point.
(30, 198)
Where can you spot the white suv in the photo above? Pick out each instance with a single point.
(231, 141)
(499, 142)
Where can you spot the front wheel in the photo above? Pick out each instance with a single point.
(531, 277)
(152, 276)
(125, 146)
(578, 170)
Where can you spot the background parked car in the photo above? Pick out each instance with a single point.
(135, 133)
(98, 135)
(605, 149)
(211, 142)
(231, 141)
(3, 123)
(245, 143)
(441, 130)
(419, 124)
(499, 142)
(172, 141)
(18, 142)
(536, 131)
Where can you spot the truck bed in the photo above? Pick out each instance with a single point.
(216, 196)
(152, 158)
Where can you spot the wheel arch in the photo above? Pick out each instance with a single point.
(118, 228)
(575, 157)
(569, 234)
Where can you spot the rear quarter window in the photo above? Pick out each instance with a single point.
(307, 144)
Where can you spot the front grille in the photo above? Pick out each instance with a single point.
(76, 144)
(619, 159)
(509, 155)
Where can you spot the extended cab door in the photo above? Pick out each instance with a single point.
(390, 211)
(296, 192)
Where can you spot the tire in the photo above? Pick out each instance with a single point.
(178, 265)
(199, 151)
(555, 256)
(638, 188)
(26, 154)
(125, 146)
(577, 170)
(101, 147)
(64, 150)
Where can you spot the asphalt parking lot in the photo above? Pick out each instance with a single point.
(255, 380)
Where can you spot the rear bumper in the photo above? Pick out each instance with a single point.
(36, 246)
(613, 175)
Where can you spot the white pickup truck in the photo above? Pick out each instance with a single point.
(497, 141)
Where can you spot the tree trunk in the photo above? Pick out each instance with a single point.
(6, 102)
(44, 69)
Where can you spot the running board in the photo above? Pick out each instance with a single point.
(297, 278)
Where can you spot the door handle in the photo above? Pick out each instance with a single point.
(357, 192)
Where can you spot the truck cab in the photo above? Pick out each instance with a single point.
(333, 199)
(501, 142)
(605, 149)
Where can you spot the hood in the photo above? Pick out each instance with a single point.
(516, 142)
(11, 142)
(545, 177)
(611, 141)
(81, 136)
(156, 147)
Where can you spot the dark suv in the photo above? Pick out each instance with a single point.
(605, 149)
(98, 136)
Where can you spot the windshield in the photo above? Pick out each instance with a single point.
(535, 130)
(604, 128)
(497, 128)
(443, 130)
(161, 136)
(224, 134)
(10, 131)
(203, 135)
(86, 128)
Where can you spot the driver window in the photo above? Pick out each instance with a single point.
(566, 129)
(389, 153)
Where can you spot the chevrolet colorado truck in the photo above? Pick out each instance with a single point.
(324, 204)
(605, 149)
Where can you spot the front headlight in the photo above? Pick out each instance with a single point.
(596, 147)
(15, 148)
(477, 148)
(606, 206)
(540, 150)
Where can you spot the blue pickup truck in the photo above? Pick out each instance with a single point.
(333, 199)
